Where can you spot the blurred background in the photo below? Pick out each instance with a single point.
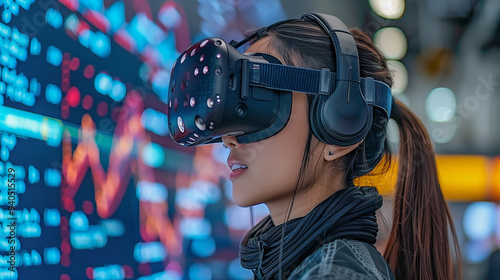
(101, 192)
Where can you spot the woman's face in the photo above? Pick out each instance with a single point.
(273, 163)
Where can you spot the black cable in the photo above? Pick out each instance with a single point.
(252, 223)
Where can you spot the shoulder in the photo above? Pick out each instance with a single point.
(343, 259)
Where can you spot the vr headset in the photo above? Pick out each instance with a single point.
(215, 91)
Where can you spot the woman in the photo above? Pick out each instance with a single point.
(320, 225)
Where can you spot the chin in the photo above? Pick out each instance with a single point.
(243, 201)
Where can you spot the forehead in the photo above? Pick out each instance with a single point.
(264, 45)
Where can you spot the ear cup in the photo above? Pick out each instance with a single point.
(313, 119)
(345, 114)
(343, 118)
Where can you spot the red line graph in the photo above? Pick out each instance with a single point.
(110, 185)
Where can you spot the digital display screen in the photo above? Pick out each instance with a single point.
(92, 187)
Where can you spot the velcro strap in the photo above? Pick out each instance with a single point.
(312, 81)
(377, 94)
(290, 78)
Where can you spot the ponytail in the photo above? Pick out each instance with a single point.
(418, 246)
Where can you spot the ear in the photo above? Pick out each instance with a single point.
(332, 152)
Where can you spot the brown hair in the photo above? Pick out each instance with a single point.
(418, 245)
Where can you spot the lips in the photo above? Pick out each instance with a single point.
(237, 168)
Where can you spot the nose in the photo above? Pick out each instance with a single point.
(230, 142)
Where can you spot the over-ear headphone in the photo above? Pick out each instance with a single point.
(342, 118)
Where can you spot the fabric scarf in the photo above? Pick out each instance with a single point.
(348, 213)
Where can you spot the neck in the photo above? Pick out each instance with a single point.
(305, 200)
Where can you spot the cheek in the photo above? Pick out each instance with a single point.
(281, 163)
(274, 165)
(271, 175)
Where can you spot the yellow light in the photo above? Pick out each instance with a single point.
(381, 177)
(462, 177)
(390, 9)
(495, 182)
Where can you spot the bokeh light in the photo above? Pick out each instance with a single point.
(392, 42)
(478, 251)
(153, 155)
(400, 75)
(73, 97)
(200, 271)
(193, 227)
(441, 104)
(78, 221)
(497, 228)
(390, 9)
(147, 252)
(478, 219)
(203, 247)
